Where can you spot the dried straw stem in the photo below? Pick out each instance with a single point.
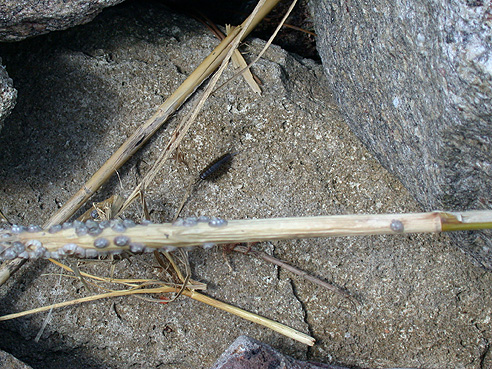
(139, 289)
(273, 325)
(190, 233)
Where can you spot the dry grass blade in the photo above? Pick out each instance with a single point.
(3, 219)
(127, 282)
(240, 63)
(237, 58)
(88, 299)
(105, 210)
(186, 196)
(184, 279)
(137, 287)
(273, 325)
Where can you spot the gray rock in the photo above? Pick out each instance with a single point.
(21, 19)
(413, 81)
(10, 362)
(8, 94)
(246, 353)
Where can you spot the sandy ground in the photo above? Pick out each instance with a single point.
(83, 91)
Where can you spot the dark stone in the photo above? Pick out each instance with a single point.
(22, 19)
(9, 361)
(8, 94)
(246, 352)
(414, 84)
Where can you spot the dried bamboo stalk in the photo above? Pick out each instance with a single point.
(91, 239)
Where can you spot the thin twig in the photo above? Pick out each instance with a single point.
(262, 255)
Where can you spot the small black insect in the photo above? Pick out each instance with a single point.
(217, 167)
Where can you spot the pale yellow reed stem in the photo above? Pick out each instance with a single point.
(167, 235)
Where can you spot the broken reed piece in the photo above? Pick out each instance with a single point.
(92, 239)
